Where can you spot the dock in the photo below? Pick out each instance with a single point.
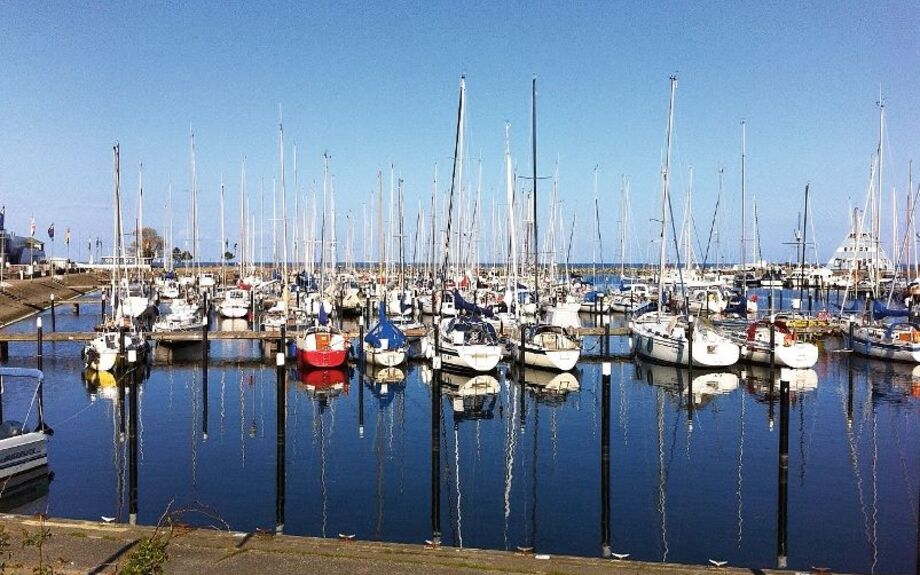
(73, 546)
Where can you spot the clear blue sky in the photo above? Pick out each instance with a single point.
(375, 84)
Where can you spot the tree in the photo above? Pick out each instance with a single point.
(151, 244)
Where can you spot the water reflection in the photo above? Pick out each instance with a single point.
(472, 397)
(323, 385)
(516, 465)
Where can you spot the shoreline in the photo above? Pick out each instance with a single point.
(74, 546)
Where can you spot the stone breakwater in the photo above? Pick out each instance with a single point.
(21, 298)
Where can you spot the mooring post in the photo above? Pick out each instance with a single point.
(281, 420)
(53, 320)
(38, 354)
(252, 306)
(605, 460)
(606, 347)
(132, 443)
(361, 358)
(772, 343)
(436, 449)
(102, 309)
(783, 465)
(361, 401)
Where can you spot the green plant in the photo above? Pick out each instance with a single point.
(148, 556)
(37, 539)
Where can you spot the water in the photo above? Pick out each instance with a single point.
(677, 492)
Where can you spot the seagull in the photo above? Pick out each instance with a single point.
(619, 556)
(107, 519)
(524, 550)
(345, 537)
(718, 564)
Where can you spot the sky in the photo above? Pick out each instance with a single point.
(375, 85)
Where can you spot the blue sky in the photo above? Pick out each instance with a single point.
(375, 84)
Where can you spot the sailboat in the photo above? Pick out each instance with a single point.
(119, 335)
(544, 345)
(788, 351)
(675, 338)
(385, 344)
(322, 345)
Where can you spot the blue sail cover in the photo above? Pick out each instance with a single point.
(385, 330)
(880, 311)
(323, 316)
(468, 307)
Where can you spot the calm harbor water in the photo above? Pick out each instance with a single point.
(688, 481)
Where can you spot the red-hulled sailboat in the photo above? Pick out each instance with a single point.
(322, 345)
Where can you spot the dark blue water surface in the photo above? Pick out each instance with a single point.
(689, 481)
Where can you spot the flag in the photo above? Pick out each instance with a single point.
(32, 228)
(51, 231)
(67, 236)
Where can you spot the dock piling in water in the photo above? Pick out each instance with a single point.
(436, 447)
(281, 425)
(605, 460)
(783, 465)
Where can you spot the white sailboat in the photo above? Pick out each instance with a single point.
(545, 346)
(675, 338)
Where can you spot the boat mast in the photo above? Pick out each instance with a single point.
(877, 215)
(665, 177)
(223, 240)
(509, 194)
(116, 183)
(455, 176)
(533, 141)
(743, 212)
(284, 256)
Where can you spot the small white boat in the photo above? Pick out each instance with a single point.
(235, 304)
(23, 453)
(102, 352)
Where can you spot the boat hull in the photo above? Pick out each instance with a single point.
(474, 358)
(894, 350)
(654, 347)
(22, 453)
(796, 356)
(384, 357)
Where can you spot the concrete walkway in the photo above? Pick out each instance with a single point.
(88, 547)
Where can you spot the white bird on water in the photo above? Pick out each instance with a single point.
(619, 556)
(718, 564)
(345, 537)
(107, 519)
